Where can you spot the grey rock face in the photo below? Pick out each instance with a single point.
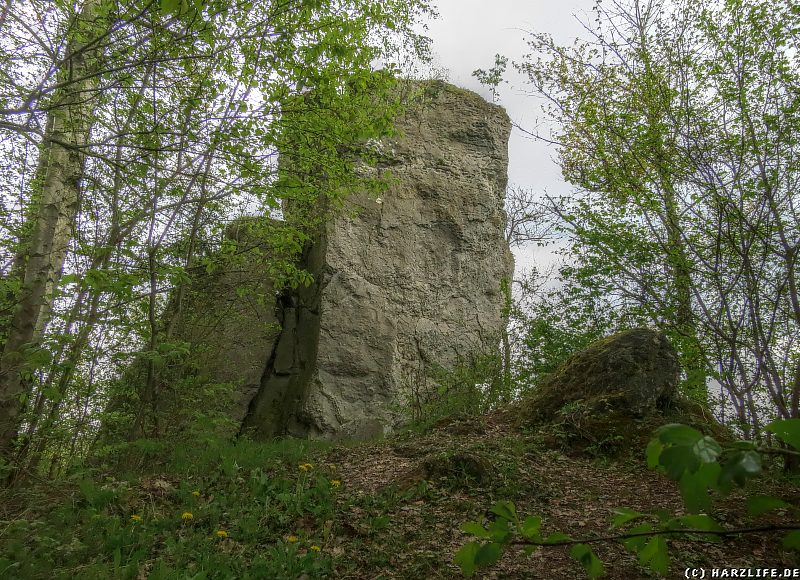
(413, 280)
(630, 372)
(403, 284)
(229, 317)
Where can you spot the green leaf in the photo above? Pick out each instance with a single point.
(759, 504)
(557, 538)
(499, 531)
(169, 6)
(654, 449)
(52, 393)
(625, 515)
(706, 449)
(655, 555)
(663, 515)
(788, 430)
(505, 509)
(583, 554)
(530, 527)
(488, 554)
(677, 460)
(740, 466)
(694, 487)
(465, 558)
(637, 543)
(791, 541)
(678, 434)
(475, 529)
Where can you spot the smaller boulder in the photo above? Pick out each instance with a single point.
(459, 469)
(633, 372)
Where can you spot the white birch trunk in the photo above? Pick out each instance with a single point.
(71, 114)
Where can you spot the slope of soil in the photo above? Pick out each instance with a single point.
(389, 509)
(574, 494)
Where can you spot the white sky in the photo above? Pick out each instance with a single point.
(468, 34)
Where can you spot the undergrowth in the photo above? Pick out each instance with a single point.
(243, 510)
(293, 509)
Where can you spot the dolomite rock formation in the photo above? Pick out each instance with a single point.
(403, 284)
(632, 372)
(229, 316)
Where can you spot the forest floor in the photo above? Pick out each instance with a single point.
(388, 509)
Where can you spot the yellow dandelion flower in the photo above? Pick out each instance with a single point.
(187, 515)
(292, 539)
(222, 534)
(305, 467)
(136, 518)
(335, 483)
(316, 549)
(196, 493)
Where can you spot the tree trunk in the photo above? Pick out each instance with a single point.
(70, 118)
(694, 360)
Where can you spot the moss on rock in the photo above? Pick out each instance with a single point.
(633, 372)
(612, 396)
(579, 427)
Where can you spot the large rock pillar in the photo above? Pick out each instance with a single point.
(410, 281)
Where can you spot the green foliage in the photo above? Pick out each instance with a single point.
(190, 409)
(497, 535)
(788, 430)
(192, 103)
(218, 498)
(494, 76)
(584, 554)
(549, 326)
(465, 558)
(759, 504)
(470, 389)
(699, 464)
(679, 232)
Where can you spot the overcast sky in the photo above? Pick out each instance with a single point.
(468, 34)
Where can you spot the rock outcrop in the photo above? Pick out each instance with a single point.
(404, 284)
(229, 317)
(632, 372)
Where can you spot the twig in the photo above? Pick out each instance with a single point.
(734, 532)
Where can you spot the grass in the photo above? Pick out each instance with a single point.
(201, 516)
(396, 511)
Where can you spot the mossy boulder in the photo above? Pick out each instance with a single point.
(458, 469)
(577, 428)
(634, 372)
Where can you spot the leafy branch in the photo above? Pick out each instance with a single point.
(666, 532)
(697, 462)
(494, 76)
